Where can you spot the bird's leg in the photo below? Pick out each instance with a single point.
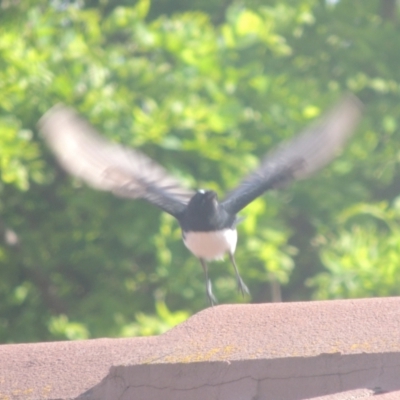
(209, 292)
(241, 285)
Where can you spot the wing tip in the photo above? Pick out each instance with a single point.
(55, 114)
(351, 103)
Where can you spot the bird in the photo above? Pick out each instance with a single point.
(208, 225)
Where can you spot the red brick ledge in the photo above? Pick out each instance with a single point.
(336, 350)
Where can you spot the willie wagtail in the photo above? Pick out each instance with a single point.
(208, 225)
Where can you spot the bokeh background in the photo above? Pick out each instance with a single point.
(206, 88)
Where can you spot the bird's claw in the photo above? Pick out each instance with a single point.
(242, 287)
(211, 298)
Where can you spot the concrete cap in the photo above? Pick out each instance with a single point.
(287, 351)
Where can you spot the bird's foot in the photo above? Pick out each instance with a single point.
(211, 298)
(242, 287)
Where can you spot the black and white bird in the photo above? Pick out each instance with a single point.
(208, 225)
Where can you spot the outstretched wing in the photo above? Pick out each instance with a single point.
(82, 152)
(301, 157)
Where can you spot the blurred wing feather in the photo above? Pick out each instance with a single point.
(82, 152)
(307, 153)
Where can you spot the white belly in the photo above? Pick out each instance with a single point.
(211, 245)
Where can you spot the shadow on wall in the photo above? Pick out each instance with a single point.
(292, 378)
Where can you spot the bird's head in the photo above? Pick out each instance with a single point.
(204, 213)
(204, 201)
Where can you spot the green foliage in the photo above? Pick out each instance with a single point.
(147, 325)
(206, 89)
(364, 258)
